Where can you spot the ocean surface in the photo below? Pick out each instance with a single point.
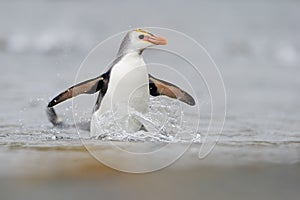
(256, 47)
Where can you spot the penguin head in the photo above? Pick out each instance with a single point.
(138, 40)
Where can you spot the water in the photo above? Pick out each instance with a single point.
(256, 46)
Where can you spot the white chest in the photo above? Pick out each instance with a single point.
(129, 81)
(128, 89)
(129, 74)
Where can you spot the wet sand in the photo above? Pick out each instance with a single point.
(72, 173)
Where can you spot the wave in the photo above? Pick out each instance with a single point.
(285, 51)
(47, 42)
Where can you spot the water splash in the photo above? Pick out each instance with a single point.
(165, 122)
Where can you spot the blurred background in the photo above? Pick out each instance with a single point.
(255, 44)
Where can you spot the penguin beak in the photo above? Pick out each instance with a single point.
(157, 40)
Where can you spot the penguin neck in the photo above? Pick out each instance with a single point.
(133, 56)
(129, 52)
(130, 56)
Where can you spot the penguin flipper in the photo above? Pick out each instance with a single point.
(53, 118)
(159, 87)
(86, 87)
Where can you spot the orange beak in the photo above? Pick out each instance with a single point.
(156, 40)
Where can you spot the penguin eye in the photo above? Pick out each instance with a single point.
(141, 37)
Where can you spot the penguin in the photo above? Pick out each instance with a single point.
(126, 86)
